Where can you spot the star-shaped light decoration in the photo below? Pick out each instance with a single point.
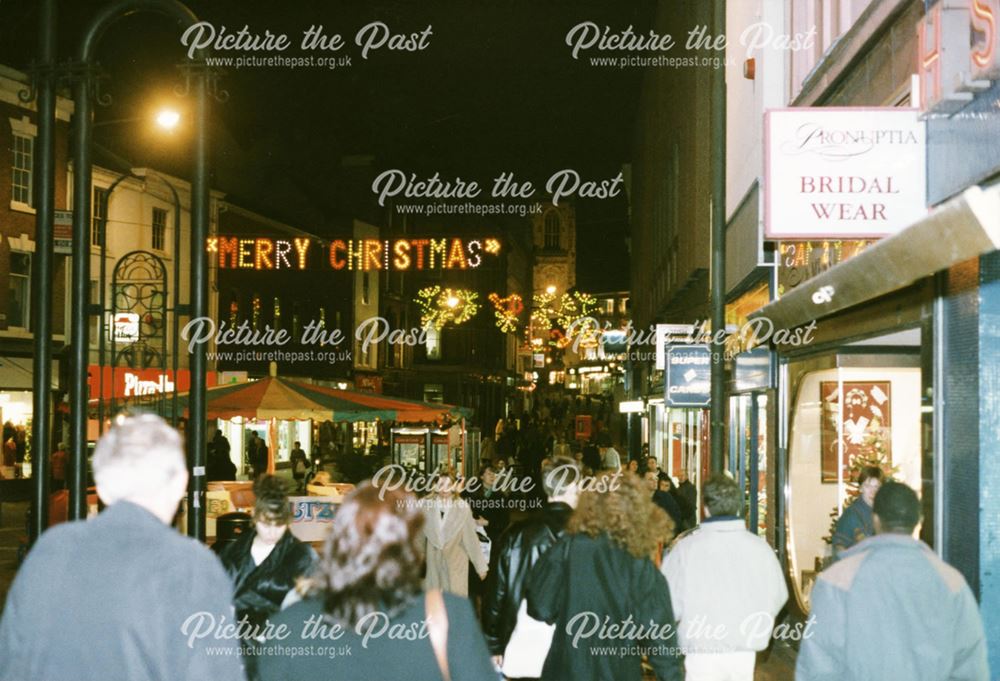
(446, 306)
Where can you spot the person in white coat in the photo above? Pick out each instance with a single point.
(452, 543)
(726, 587)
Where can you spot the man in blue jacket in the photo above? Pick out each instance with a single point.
(891, 609)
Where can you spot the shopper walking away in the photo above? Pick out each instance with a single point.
(890, 608)
(727, 587)
(113, 597)
(451, 543)
(366, 591)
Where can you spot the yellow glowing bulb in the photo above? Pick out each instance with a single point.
(550, 289)
(168, 119)
(452, 301)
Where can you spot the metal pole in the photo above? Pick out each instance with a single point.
(102, 299)
(198, 294)
(718, 126)
(41, 271)
(81, 281)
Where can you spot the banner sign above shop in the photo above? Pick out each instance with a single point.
(843, 172)
(688, 376)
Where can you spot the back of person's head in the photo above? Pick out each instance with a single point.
(560, 474)
(722, 495)
(141, 459)
(897, 508)
(622, 508)
(271, 500)
(373, 558)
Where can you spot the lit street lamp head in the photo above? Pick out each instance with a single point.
(168, 119)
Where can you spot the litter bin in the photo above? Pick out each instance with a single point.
(229, 527)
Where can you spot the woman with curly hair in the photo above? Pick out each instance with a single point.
(366, 597)
(266, 562)
(600, 588)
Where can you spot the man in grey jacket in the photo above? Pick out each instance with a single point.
(891, 609)
(123, 595)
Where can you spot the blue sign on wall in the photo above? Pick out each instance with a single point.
(688, 376)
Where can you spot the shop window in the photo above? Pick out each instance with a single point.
(19, 293)
(22, 169)
(433, 342)
(865, 412)
(159, 228)
(434, 392)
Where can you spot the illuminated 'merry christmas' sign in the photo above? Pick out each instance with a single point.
(446, 253)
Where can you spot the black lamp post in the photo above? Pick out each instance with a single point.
(83, 91)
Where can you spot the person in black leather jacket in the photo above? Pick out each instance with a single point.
(265, 563)
(520, 547)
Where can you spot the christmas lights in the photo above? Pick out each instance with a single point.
(444, 253)
(507, 310)
(446, 306)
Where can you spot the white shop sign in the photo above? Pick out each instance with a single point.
(845, 173)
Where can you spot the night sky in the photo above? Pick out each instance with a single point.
(495, 90)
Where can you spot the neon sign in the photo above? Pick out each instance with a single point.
(958, 52)
(445, 253)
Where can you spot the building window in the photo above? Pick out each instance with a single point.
(365, 288)
(296, 322)
(553, 230)
(322, 318)
(99, 214)
(159, 228)
(21, 169)
(434, 392)
(433, 336)
(277, 313)
(255, 312)
(234, 311)
(20, 289)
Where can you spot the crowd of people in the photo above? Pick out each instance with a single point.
(615, 575)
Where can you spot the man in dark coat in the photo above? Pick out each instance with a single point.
(520, 547)
(123, 595)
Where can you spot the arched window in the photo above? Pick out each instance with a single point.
(553, 230)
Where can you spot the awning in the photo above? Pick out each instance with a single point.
(281, 398)
(962, 228)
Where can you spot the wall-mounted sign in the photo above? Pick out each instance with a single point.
(62, 232)
(631, 407)
(843, 172)
(688, 376)
(958, 53)
(138, 382)
(124, 327)
(667, 334)
(753, 370)
(446, 253)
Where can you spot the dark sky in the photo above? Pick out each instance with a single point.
(495, 90)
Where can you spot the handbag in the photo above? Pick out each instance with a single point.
(529, 644)
(437, 629)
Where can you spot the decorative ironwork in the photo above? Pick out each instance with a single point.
(191, 70)
(139, 289)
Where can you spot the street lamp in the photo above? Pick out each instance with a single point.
(168, 119)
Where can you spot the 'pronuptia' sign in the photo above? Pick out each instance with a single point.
(843, 172)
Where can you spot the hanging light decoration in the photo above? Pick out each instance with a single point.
(439, 306)
(507, 310)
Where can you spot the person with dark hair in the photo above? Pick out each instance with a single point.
(300, 465)
(664, 499)
(367, 592)
(520, 547)
(602, 570)
(726, 586)
(890, 608)
(591, 457)
(266, 562)
(857, 521)
(219, 465)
